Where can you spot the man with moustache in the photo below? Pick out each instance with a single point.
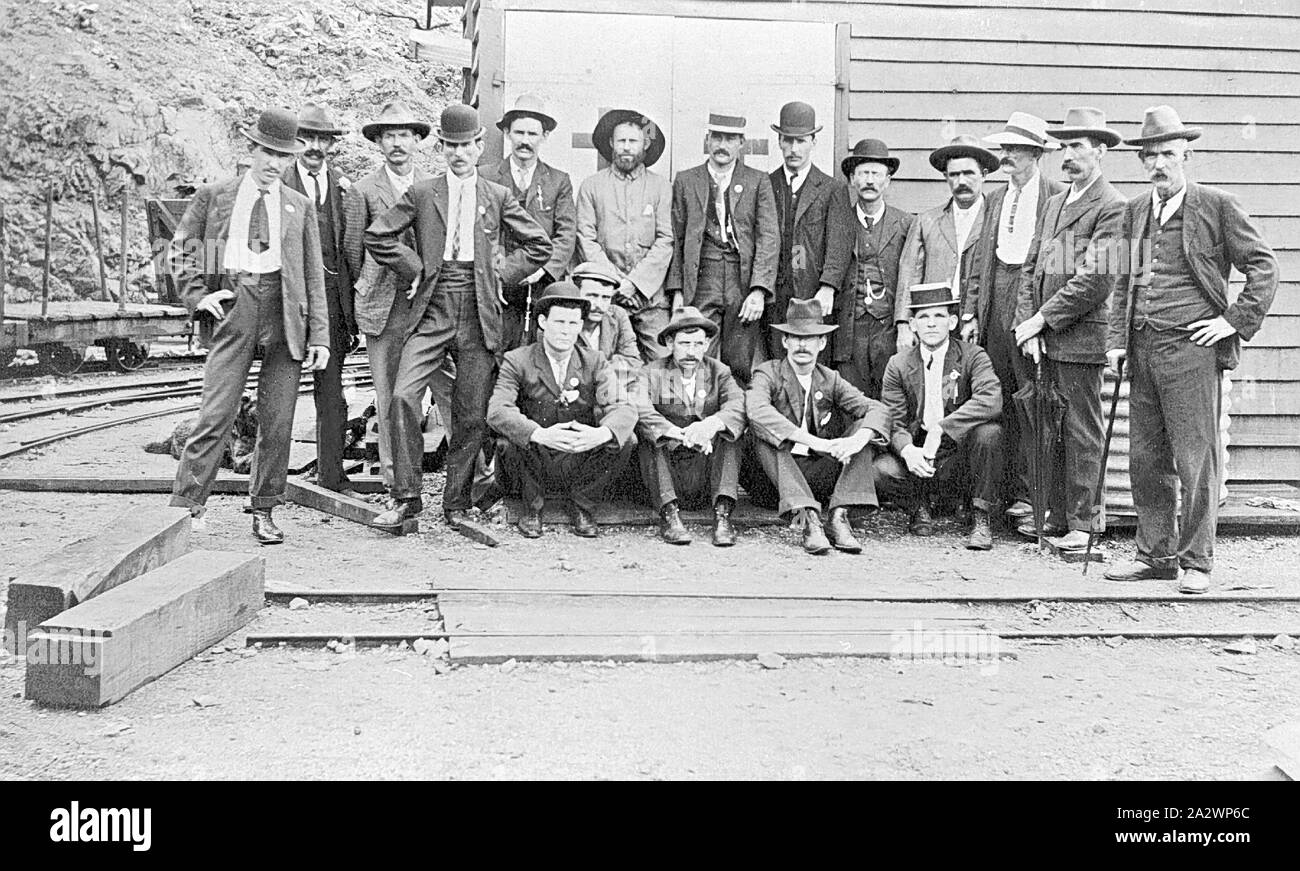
(1009, 220)
(607, 329)
(1063, 302)
(865, 307)
(1173, 322)
(452, 307)
(547, 194)
(726, 241)
(625, 221)
(941, 244)
(691, 415)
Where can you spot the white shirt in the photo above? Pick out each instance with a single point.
(723, 182)
(1016, 228)
(462, 193)
(523, 177)
(688, 388)
(322, 176)
(1171, 205)
(559, 368)
(401, 183)
(932, 366)
(963, 221)
(1074, 195)
(238, 257)
(796, 180)
(869, 221)
(805, 381)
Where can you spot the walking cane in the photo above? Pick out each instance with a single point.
(1100, 507)
(1040, 502)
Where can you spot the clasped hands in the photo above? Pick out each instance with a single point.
(697, 435)
(572, 437)
(844, 448)
(920, 458)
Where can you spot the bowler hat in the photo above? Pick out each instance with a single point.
(869, 151)
(561, 291)
(1161, 124)
(458, 124)
(964, 146)
(1085, 121)
(528, 106)
(312, 118)
(726, 122)
(605, 128)
(797, 119)
(1023, 129)
(803, 317)
(277, 129)
(687, 318)
(931, 295)
(395, 116)
(596, 272)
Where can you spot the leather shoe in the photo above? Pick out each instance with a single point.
(724, 534)
(671, 528)
(1019, 510)
(402, 510)
(921, 523)
(1194, 582)
(814, 537)
(981, 536)
(584, 525)
(264, 528)
(1050, 530)
(529, 523)
(841, 533)
(1140, 571)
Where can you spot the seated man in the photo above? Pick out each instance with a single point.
(945, 400)
(691, 412)
(607, 328)
(814, 433)
(566, 426)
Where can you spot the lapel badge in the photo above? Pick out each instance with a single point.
(701, 393)
(288, 207)
(573, 382)
(819, 395)
(740, 188)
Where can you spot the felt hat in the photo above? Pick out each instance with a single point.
(312, 118)
(797, 119)
(687, 318)
(458, 124)
(1160, 124)
(1085, 121)
(561, 291)
(277, 129)
(395, 116)
(869, 151)
(931, 295)
(803, 317)
(964, 146)
(605, 128)
(1023, 129)
(528, 106)
(596, 271)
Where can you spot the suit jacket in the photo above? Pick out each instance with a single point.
(894, 234)
(549, 199)
(662, 406)
(971, 398)
(753, 217)
(930, 255)
(527, 398)
(617, 338)
(1217, 235)
(197, 250)
(1070, 272)
(819, 250)
(979, 301)
(363, 202)
(775, 398)
(337, 186)
(424, 207)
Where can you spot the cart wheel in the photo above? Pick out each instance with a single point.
(126, 356)
(62, 360)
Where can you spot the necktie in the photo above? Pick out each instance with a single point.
(810, 411)
(1011, 217)
(1160, 212)
(454, 214)
(259, 226)
(315, 180)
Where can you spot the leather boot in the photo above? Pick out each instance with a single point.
(814, 537)
(584, 525)
(671, 528)
(402, 510)
(921, 523)
(529, 523)
(981, 536)
(724, 534)
(264, 528)
(841, 533)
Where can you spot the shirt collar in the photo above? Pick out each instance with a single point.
(721, 177)
(793, 177)
(562, 363)
(455, 180)
(1173, 202)
(958, 210)
(518, 169)
(864, 217)
(939, 352)
(409, 178)
(251, 186)
(1030, 185)
(323, 172)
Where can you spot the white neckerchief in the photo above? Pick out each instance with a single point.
(465, 192)
(237, 256)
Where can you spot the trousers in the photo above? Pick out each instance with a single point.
(718, 296)
(327, 393)
(534, 471)
(973, 465)
(1013, 370)
(808, 481)
(673, 473)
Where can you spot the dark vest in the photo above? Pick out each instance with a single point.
(716, 243)
(787, 202)
(869, 279)
(1174, 299)
(324, 220)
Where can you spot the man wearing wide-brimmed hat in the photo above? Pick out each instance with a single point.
(875, 233)
(452, 307)
(546, 193)
(1010, 217)
(941, 245)
(1063, 301)
(692, 413)
(246, 258)
(945, 402)
(1172, 322)
(815, 434)
(725, 243)
(565, 424)
(625, 220)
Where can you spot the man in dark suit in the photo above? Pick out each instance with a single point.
(547, 194)
(1173, 321)
(1062, 306)
(691, 414)
(726, 242)
(607, 329)
(452, 308)
(246, 257)
(815, 434)
(1010, 216)
(865, 305)
(813, 256)
(564, 422)
(945, 400)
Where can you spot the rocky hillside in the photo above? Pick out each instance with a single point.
(150, 95)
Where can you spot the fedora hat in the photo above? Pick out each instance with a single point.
(964, 145)
(561, 291)
(395, 116)
(605, 128)
(312, 118)
(277, 129)
(722, 122)
(1160, 124)
(931, 295)
(797, 119)
(1085, 121)
(869, 151)
(1023, 129)
(803, 317)
(459, 123)
(596, 272)
(687, 318)
(528, 106)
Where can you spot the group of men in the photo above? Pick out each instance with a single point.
(787, 332)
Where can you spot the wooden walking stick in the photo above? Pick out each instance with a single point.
(1040, 499)
(121, 288)
(45, 270)
(1100, 507)
(99, 246)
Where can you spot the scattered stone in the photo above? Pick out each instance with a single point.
(1245, 647)
(297, 603)
(771, 660)
(1283, 642)
(566, 566)
(205, 701)
(442, 646)
(333, 644)
(115, 729)
(218, 650)
(441, 666)
(356, 730)
(1115, 641)
(508, 666)
(423, 646)
(403, 645)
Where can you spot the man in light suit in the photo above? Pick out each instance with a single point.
(246, 257)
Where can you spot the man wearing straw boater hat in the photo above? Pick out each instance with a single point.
(1171, 321)
(1010, 216)
(945, 400)
(246, 257)
(815, 434)
(547, 194)
(452, 307)
(1063, 302)
(726, 242)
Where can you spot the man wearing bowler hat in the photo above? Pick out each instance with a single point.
(691, 415)
(246, 256)
(1173, 322)
(725, 243)
(452, 307)
(625, 221)
(815, 434)
(565, 425)
(546, 193)
(1063, 302)
(865, 305)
